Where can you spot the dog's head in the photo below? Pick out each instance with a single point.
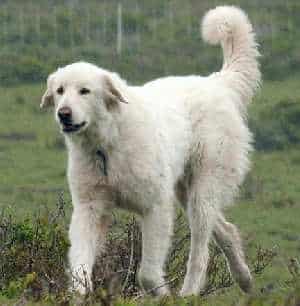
(82, 94)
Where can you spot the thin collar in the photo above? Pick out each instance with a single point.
(102, 157)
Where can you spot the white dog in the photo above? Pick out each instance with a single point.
(175, 139)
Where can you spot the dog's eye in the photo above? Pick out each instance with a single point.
(60, 90)
(84, 91)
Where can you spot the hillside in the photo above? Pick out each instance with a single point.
(158, 37)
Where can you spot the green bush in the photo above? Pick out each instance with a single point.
(32, 255)
(277, 126)
(16, 69)
(33, 263)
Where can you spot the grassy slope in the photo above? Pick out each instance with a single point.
(32, 170)
(29, 164)
(159, 37)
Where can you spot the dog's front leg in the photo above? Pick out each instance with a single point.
(157, 226)
(87, 234)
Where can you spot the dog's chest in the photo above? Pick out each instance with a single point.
(133, 183)
(127, 183)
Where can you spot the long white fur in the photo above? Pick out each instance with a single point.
(179, 139)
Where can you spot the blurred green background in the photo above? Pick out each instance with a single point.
(142, 40)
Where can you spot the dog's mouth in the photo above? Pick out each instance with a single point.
(72, 128)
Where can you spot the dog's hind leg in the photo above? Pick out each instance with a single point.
(157, 229)
(201, 215)
(227, 237)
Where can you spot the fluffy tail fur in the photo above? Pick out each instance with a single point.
(230, 27)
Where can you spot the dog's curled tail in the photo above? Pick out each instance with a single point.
(230, 27)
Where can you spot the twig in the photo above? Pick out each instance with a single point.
(129, 271)
(155, 288)
(61, 204)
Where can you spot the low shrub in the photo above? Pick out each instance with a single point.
(33, 262)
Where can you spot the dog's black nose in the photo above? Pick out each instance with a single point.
(65, 114)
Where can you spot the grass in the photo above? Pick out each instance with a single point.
(29, 140)
(33, 160)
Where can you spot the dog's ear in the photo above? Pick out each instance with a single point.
(113, 92)
(48, 99)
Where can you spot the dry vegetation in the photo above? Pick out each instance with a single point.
(33, 262)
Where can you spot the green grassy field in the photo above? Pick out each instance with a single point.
(159, 38)
(33, 162)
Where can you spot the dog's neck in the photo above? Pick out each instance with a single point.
(95, 137)
(102, 143)
(90, 147)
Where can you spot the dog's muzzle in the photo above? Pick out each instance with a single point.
(65, 117)
(71, 127)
